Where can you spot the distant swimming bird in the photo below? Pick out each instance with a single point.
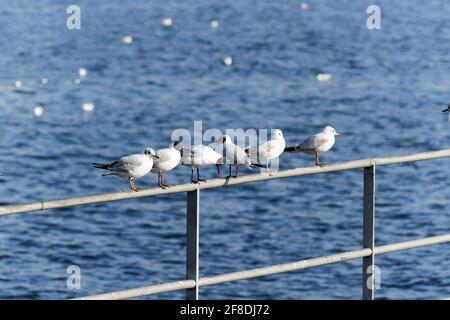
(38, 111)
(127, 40)
(323, 77)
(321, 142)
(88, 106)
(199, 156)
(167, 22)
(228, 61)
(82, 72)
(264, 153)
(214, 23)
(169, 158)
(447, 110)
(18, 84)
(130, 167)
(233, 155)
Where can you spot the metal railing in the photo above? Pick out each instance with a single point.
(193, 281)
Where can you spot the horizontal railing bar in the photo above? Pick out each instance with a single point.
(253, 273)
(280, 268)
(285, 267)
(412, 244)
(144, 291)
(215, 183)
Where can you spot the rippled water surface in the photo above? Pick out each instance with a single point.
(385, 97)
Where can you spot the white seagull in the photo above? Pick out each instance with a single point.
(233, 155)
(168, 159)
(198, 156)
(130, 167)
(321, 142)
(264, 153)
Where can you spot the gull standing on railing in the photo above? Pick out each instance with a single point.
(130, 167)
(199, 156)
(321, 142)
(233, 155)
(264, 153)
(168, 159)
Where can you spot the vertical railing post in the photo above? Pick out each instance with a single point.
(368, 279)
(192, 241)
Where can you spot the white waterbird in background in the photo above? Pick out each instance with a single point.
(233, 155)
(199, 156)
(38, 111)
(323, 77)
(88, 106)
(321, 142)
(130, 167)
(447, 109)
(168, 159)
(228, 61)
(127, 40)
(82, 72)
(167, 22)
(214, 23)
(17, 84)
(264, 153)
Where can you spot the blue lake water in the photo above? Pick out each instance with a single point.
(385, 98)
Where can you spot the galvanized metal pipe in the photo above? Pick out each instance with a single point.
(253, 273)
(193, 241)
(276, 269)
(412, 244)
(285, 267)
(216, 183)
(140, 292)
(368, 263)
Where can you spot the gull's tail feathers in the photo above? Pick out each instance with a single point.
(103, 166)
(257, 165)
(296, 149)
(291, 149)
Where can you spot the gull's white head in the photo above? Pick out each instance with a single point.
(224, 139)
(277, 134)
(177, 145)
(151, 153)
(330, 130)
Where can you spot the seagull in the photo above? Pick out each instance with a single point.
(447, 110)
(233, 155)
(198, 156)
(264, 153)
(321, 142)
(130, 167)
(169, 158)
